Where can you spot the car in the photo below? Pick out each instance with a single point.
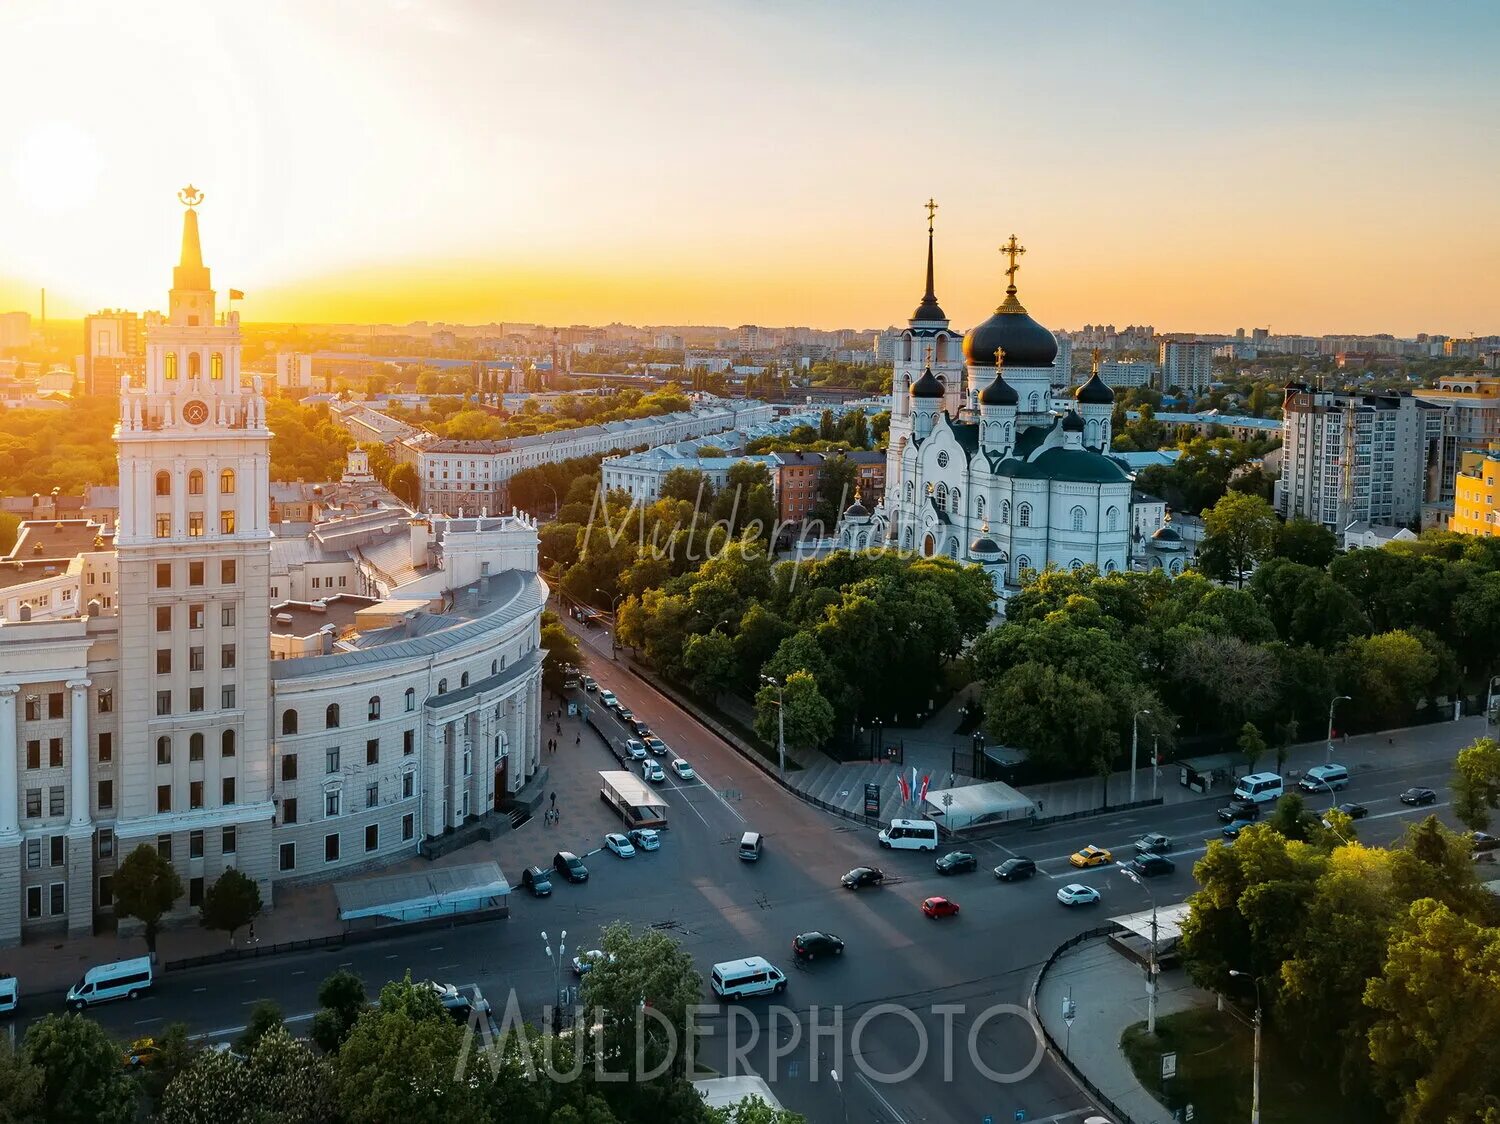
(683, 770)
(810, 946)
(608, 699)
(639, 726)
(940, 907)
(655, 745)
(1151, 866)
(636, 749)
(537, 880)
(1239, 810)
(651, 770)
(1077, 894)
(1013, 870)
(1482, 841)
(1234, 827)
(590, 684)
(1153, 843)
(955, 862)
(585, 962)
(570, 683)
(625, 715)
(570, 866)
(141, 1053)
(1354, 811)
(1417, 796)
(862, 876)
(646, 839)
(456, 1003)
(620, 845)
(1091, 856)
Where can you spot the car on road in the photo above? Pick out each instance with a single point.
(455, 1002)
(862, 876)
(656, 746)
(1324, 778)
(956, 862)
(940, 907)
(626, 715)
(1418, 796)
(810, 946)
(537, 880)
(639, 726)
(1234, 827)
(570, 866)
(636, 749)
(1153, 843)
(621, 846)
(651, 770)
(1354, 811)
(1151, 866)
(1482, 841)
(683, 770)
(646, 839)
(1239, 810)
(1014, 870)
(586, 962)
(589, 683)
(1077, 894)
(141, 1053)
(608, 699)
(1091, 856)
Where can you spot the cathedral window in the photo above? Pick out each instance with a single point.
(941, 498)
(942, 349)
(1111, 519)
(1023, 564)
(952, 547)
(906, 539)
(956, 501)
(1005, 513)
(943, 459)
(289, 722)
(195, 483)
(169, 366)
(226, 482)
(906, 347)
(1078, 515)
(163, 483)
(1023, 515)
(911, 491)
(1036, 402)
(979, 507)
(1109, 567)
(195, 365)
(216, 366)
(1075, 565)
(331, 717)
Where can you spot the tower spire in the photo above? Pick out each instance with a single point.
(929, 309)
(190, 272)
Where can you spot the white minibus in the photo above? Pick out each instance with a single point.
(124, 979)
(754, 975)
(1259, 788)
(910, 835)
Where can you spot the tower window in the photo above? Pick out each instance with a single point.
(169, 367)
(289, 722)
(163, 484)
(331, 717)
(195, 365)
(216, 367)
(1078, 515)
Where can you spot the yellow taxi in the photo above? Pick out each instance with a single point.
(1092, 856)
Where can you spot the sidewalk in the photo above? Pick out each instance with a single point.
(1109, 994)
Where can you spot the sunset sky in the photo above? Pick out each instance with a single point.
(1328, 166)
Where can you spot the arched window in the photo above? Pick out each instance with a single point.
(1109, 567)
(195, 747)
(1036, 401)
(226, 744)
(289, 722)
(911, 491)
(1075, 565)
(442, 686)
(331, 717)
(463, 680)
(374, 707)
(169, 366)
(1112, 519)
(1176, 566)
(163, 750)
(494, 667)
(941, 355)
(1023, 515)
(163, 484)
(941, 499)
(1006, 442)
(226, 482)
(906, 347)
(216, 366)
(906, 539)
(195, 365)
(411, 699)
(1022, 565)
(860, 541)
(195, 483)
(956, 500)
(979, 507)
(952, 547)
(1078, 515)
(1005, 513)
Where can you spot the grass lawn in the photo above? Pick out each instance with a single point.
(1214, 1052)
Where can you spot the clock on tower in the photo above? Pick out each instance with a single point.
(194, 412)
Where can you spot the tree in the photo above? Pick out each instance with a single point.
(1251, 744)
(83, 1080)
(836, 486)
(650, 968)
(1388, 673)
(1239, 531)
(562, 652)
(342, 999)
(1060, 721)
(1476, 783)
(231, 903)
(175, 1053)
(709, 660)
(688, 484)
(808, 718)
(279, 1080)
(145, 887)
(1305, 542)
(753, 1110)
(404, 483)
(1291, 819)
(265, 1017)
(21, 1087)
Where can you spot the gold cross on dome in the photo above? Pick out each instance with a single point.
(999, 356)
(1095, 356)
(931, 210)
(1012, 250)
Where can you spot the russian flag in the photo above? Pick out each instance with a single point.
(905, 788)
(927, 780)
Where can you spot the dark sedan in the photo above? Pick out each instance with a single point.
(1152, 866)
(1014, 870)
(1418, 796)
(1239, 810)
(955, 862)
(1354, 811)
(862, 876)
(570, 866)
(810, 946)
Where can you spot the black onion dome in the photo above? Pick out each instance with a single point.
(999, 393)
(1094, 392)
(927, 386)
(984, 545)
(855, 510)
(1026, 343)
(1166, 534)
(1072, 423)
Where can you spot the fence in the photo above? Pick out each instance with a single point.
(1053, 1048)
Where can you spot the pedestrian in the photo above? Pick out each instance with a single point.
(554, 799)
(1039, 807)
(559, 727)
(578, 738)
(253, 938)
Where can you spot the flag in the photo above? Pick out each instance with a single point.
(236, 294)
(927, 780)
(914, 778)
(905, 788)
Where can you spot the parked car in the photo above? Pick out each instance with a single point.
(1354, 811)
(537, 880)
(1014, 870)
(1417, 796)
(570, 866)
(1152, 866)
(456, 1003)
(1239, 810)
(589, 683)
(609, 700)
(862, 876)
(1091, 856)
(655, 746)
(636, 749)
(683, 770)
(1077, 894)
(1153, 843)
(585, 962)
(1233, 828)
(940, 907)
(956, 862)
(646, 839)
(651, 770)
(1481, 841)
(810, 946)
(621, 846)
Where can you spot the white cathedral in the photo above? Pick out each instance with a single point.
(980, 466)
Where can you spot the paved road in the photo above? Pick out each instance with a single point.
(721, 908)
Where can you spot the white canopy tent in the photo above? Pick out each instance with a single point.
(1168, 924)
(418, 895)
(975, 805)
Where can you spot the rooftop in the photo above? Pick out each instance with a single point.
(303, 618)
(65, 538)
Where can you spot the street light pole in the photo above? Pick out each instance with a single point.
(1135, 745)
(843, 1103)
(614, 620)
(1255, 1072)
(1155, 761)
(1328, 757)
(780, 722)
(1151, 967)
(556, 962)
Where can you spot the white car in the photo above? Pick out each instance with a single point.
(683, 770)
(585, 961)
(636, 749)
(1078, 894)
(621, 846)
(646, 839)
(651, 770)
(608, 699)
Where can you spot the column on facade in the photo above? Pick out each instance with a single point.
(179, 498)
(531, 719)
(10, 809)
(79, 748)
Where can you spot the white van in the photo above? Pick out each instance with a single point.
(910, 835)
(754, 975)
(124, 979)
(10, 994)
(750, 844)
(1324, 778)
(1259, 788)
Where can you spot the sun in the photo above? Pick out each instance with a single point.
(56, 166)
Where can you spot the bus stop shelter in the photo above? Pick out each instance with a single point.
(423, 895)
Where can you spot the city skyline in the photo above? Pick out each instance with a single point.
(1193, 170)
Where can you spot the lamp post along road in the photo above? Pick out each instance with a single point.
(556, 962)
(1135, 745)
(614, 621)
(1255, 1071)
(1151, 967)
(780, 721)
(1328, 757)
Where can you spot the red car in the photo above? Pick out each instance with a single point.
(940, 907)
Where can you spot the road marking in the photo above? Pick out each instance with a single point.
(148, 1022)
(1061, 1116)
(874, 1092)
(300, 972)
(436, 948)
(200, 989)
(392, 956)
(225, 1032)
(445, 967)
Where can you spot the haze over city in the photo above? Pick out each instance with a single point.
(1315, 168)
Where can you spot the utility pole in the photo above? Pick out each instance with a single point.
(1255, 1071)
(1135, 745)
(1328, 756)
(780, 721)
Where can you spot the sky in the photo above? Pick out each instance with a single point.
(1325, 167)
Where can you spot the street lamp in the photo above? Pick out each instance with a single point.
(1151, 967)
(843, 1103)
(780, 721)
(1328, 757)
(614, 619)
(556, 507)
(1135, 745)
(1255, 1073)
(556, 962)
